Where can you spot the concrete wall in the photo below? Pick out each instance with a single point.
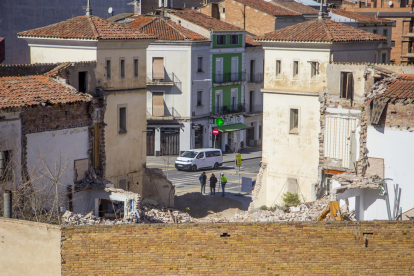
(158, 187)
(29, 248)
(355, 248)
(25, 15)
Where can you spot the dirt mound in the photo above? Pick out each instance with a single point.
(200, 206)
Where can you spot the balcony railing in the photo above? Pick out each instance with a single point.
(255, 78)
(166, 79)
(255, 108)
(229, 109)
(229, 77)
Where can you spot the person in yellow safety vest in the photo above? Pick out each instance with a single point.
(223, 182)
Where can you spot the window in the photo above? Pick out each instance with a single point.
(221, 39)
(123, 183)
(122, 119)
(314, 69)
(235, 69)
(385, 33)
(158, 69)
(295, 68)
(108, 68)
(234, 39)
(157, 104)
(374, 31)
(199, 98)
(384, 58)
(5, 169)
(200, 64)
(83, 82)
(200, 155)
(260, 132)
(278, 67)
(234, 105)
(347, 85)
(136, 68)
(294, 121)
(252, 70)
(251, 101)
(218, 102)
(122, 68)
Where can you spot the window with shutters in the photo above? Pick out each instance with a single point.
(122, 119)
(294, 121)
(108, 68)
(136, 68)
(314, 69)
(347, 86)
(5, 165)
(278, 68)
(158, 69)
(295, 69)
(158, 104)
(122, 68)
(123, 183)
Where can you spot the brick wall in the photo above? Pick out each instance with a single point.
(256, 21)
(400, 116)
(345, 248)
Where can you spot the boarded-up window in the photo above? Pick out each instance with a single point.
(158, 69)
(157, 104)
(294, 120)
(122, 120)
(347, 85)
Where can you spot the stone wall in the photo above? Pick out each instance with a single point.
(351, 248)
(400, 116)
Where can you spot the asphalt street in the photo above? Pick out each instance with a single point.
(187, 182)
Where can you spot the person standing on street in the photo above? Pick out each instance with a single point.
(223, 182)
(203, 180)
(213, 181)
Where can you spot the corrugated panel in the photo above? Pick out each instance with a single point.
(337, 144)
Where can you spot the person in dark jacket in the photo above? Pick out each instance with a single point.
(213, 181)
(203, 180)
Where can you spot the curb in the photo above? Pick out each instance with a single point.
(243, 159)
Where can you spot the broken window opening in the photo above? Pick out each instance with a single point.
(83, 82)
(347, 86)
(5, 165)
(314, 69)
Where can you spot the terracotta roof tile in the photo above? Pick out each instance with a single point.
(204, 21)
(320, 30)
(250, 41)
(296, 7)
(401, 88)
(86, 27)
(269, 8)
(164, 29)
(356, 16)
(34, 90)
(405, 77)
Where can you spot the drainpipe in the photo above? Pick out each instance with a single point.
(7, 210)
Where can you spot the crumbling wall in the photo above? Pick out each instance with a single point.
(157, 187)
(29, 248)
(302, 248)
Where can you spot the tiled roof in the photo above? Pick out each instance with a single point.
(164, 29)
(250, 41)
(296, 7)
(120, 16)
(86, 27)
(320, 30)
(268, 7)
(356, 16)
(401, 88)
(204, 21)
(34, 90)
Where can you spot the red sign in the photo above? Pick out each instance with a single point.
(215, 131)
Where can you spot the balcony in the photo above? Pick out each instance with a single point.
(254, 109)
(230, 77)
(168, 79)
(255, 78)
(229, 109)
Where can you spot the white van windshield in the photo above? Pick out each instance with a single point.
(189, 154)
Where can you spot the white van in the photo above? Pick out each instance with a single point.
(199, 159)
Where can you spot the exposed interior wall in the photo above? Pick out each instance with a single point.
(158, 187)
(357, 248)
(29, 248)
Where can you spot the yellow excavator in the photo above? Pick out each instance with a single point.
(333, 209)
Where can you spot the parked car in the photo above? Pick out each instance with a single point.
(199, 159)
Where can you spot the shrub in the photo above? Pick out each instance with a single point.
(291, 199)
(263, 207)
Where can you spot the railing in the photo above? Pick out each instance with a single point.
(255, 78)
(167, 78)
(167, 113)
(229, 77)
(255, 108)
(228, 109)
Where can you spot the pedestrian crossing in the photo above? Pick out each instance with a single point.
(192, 180)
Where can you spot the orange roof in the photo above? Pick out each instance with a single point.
(164, 29)
(269, 8)
(356, 16)
(320, 30)
(34, 90)
(86, 27)
(204, 21)
(296, 7)
(401, 88)
(250, 41)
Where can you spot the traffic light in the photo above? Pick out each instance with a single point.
(219, 121)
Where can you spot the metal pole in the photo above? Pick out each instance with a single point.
(215, 137)
(387, 198)
(7, 211)
(239, 180)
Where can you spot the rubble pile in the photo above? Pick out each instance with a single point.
(305, 212)
(159, 214)
(351, 181)
(91, 182)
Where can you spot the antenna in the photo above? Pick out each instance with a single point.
(88, 8)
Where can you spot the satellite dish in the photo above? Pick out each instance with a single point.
(390, 3)
(110, 10)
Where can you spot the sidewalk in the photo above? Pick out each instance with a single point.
(246, 154)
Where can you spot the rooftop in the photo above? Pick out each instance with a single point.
(357, 16)
(35, 90)
(320, 30)
(164, 29)
(86, 27)
(296, 7)
(204, 21)
(268, 7)
(400, 88)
